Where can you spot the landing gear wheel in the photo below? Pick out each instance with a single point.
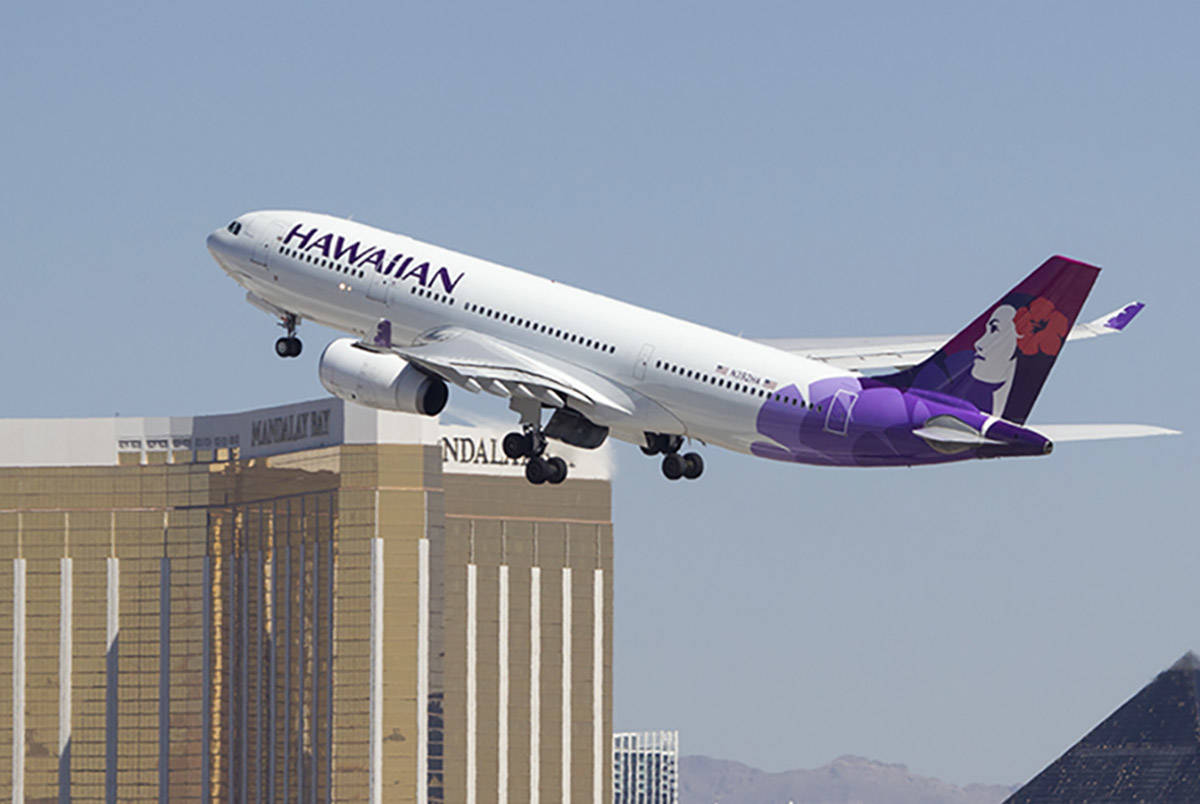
(537, 471)
(558, 470)
(673, 466)
(693, 465)
(517, 445)
(288, 347)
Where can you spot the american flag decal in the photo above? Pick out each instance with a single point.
(771, 385)
(722, 369)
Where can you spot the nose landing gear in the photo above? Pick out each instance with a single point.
(674, 465)
(289, 345)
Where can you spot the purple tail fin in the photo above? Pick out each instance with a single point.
(1000, 361)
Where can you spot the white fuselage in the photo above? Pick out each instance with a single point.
(687, 379)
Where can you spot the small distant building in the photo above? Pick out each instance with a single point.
(1147, 750)
(646, 767)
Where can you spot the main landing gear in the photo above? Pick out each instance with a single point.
(530, 443)
(289, 345)
(674, 465)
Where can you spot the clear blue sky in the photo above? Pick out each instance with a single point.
(778, 169)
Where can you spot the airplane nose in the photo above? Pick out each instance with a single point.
(221, 247)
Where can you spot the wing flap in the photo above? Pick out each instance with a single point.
(478, 362)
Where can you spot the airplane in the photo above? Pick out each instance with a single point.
(425, 318)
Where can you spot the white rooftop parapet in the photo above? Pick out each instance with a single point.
(466, 448)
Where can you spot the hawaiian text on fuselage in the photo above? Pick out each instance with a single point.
(335, 247)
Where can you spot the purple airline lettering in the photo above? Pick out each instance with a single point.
(296, 233)
(321, 244)
(388, 271)
(444, 275)
(364, 256)
(350, 250)
(420, 272)
(376, 258)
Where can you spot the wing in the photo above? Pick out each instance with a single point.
(480, 362)
(899, 352)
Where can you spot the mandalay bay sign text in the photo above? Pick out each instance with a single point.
(478, 450)
(289, 427)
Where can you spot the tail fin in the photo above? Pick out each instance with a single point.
(1000, 361)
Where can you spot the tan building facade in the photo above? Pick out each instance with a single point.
(310, 603)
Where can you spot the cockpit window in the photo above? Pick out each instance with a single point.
(234, 227)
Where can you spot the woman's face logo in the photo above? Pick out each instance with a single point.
(995, 351)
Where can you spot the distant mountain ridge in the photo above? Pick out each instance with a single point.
(846, 780)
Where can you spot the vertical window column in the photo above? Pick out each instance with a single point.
(566, 685)
(502, 704)
(260, 661)
(164, 677)
(598, 748)
(273, 668)
(329, 653)
(18, 680)
(472, 673)
(285, 592)
(206, 671)
(65, 648)
(535, 680)
(112, 631)
(423, 668)
(243, 561)
(375, 728)
(301, 637)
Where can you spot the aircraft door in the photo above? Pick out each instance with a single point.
(837, 419)
(643, 360)
(378, 289)
(269, 234)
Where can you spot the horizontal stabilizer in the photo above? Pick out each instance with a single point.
(1110, 324)
(1095, 432)
(901, 351)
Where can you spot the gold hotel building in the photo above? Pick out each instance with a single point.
(313, 603)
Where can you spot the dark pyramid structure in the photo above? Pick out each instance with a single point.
(1148, 750)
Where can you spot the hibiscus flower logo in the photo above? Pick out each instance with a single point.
(1040, 328)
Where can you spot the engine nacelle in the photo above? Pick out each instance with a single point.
(381, 380)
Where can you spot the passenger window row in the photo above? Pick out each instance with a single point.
(429, 294)
(739, 387)
(323, 262)
(545, 329)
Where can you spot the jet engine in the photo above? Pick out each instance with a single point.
(381, 380)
